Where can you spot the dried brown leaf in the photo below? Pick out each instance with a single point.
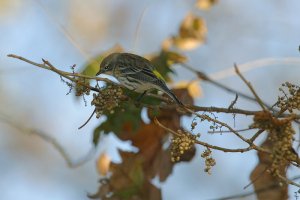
(192, 33)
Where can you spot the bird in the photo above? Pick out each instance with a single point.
(135, 73)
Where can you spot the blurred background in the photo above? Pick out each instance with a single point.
(69, 32)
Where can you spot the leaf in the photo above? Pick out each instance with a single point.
(103, 164)
(132, 178)
(205, 4)
(136, 174)
(127, 117)
(193, 87)
(164, 61)
(191, 34)
(96, 135)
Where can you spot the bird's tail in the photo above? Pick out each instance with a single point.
(170, 94)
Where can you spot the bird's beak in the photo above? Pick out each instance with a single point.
(100, 72)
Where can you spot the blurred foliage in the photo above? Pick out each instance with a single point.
(192, 34)
(126, 116)
(164, 60)
(205, 4)
(193, 87)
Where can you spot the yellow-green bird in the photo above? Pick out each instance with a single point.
(135, 73)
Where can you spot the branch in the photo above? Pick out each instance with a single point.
(221, 131)
(260, 102)
(205, 77)
(266, 188)
(52, 68)
(251, 144)
(73, 77)
(242, 150)
(47, 138)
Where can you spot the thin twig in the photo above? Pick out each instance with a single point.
(242, 150)
(263, 189)
(287, 181)
(59, 71)
(233, 102)
(64, 31)
(226, 131)
(87, 121)
(256, 135)
(47, 138)
(259, 101)
(206, 117)
(205, 77)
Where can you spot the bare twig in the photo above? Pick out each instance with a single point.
(256, 135)
(246, 194)
(222, 124)
(242, 150)
(259, 101)
(254, 64)
(70, 74)
(226, 131)
(87, 121)
(52, 141)
(64, 31)
(233, 102)
(287, 181)
(205, 77)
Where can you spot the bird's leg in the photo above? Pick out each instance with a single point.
(141, 96)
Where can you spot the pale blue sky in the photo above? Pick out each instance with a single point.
(238, 31)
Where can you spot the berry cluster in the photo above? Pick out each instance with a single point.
(282, 150)
(209, 160)
(107, 99)
(81, 89)
(291, 97)
(281, 133)
(181, 143)
(193, 125)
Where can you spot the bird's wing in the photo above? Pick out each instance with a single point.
(130, 64)
(147, 74)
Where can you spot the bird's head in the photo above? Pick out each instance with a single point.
(108, 63)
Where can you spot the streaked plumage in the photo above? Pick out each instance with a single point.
(134, 72)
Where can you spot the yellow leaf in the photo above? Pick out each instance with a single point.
(192, 86)
(186, 43)
(103, 164)
(192, 33)
(205, 4)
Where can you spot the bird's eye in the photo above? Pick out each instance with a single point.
(106, 67)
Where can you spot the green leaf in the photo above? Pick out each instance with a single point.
(127, 193)
(127, 115)
(92, 67)
(96, 135)
(164, 61)
(137, 175)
